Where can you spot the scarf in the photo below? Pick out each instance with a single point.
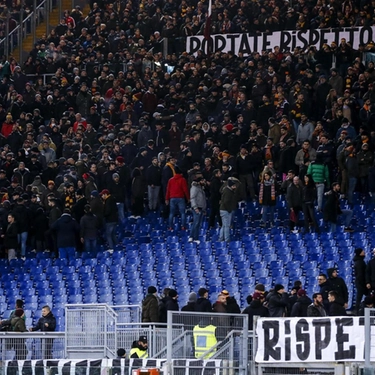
(170, 165)
(306, 156)
(261, 190)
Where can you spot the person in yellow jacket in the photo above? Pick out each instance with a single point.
(204, 339)
(139, 348)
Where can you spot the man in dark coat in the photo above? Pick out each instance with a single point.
(325, 288)
(150, 306)
(190, 306)
(215, 196)
(332, 209)
(335, 307)
(370, 273)
(110, 218)
(67, 230)
(23, 218)
(256, 308)
(299, 309)
(294, 199)
(278, 301)
(338, 285)
(360, 276)
(316, 309)
(203, 304)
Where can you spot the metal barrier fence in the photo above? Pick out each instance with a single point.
(90, 331)
(209, 337)
(128, 313)
(33, 345)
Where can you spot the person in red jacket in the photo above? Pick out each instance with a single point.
(7, 126)
(176, 196)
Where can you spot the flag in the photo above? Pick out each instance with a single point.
(207, 27)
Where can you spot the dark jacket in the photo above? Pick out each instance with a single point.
(255, 308)
(299, 309)
(232, 306)
(89, 226)
(277, 304)
(336, 309)
(23, 217)
(338, 284)
(370, 273)
(153, 175)
(203, 305)
(360, 270)
(325, 288)
(294, 196)
(41, 325)
(315, 311)
(191, 306)
(11, 236)
(150, 309)
(17, 324)
(54, 215)
(332, 207)
(66, 230)
(228, 200)
(110, 210)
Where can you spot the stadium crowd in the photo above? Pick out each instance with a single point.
(96, 120)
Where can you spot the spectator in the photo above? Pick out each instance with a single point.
(150, 306)
(294, 197)
(228, 204)
(308, 200)
(153, 178)
(267, 198)
(316, 309)
(338, 285)
(176, 196)
(300, 308)
(190, 306)
(370, 273)
(89, 226)
(67, 230)
(110, 217)
(360, 276)
(47, 323)
(198, 204)
(277, 302)
(256, 308)
(203, 304)
(335, 308)
(231, 303)
(11, 237)
(215, 197)
(320, 175)
(368, 303)
(332, 209)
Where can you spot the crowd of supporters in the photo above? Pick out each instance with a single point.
(97, 119)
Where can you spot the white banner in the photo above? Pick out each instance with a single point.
(310, 339)
(286, 40)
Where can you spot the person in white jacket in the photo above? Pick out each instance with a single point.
(198, 204)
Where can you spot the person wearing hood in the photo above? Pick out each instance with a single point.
(176, 196)
(299, 309)
(360, 276)
(255, 308)
(278, 301)
(67, 230)
(228, 205)
(150, 306)
(198, 204)
(338, 285)
(192, 301)
(203, 304)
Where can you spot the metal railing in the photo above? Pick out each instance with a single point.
(90, 331)
(33, 345)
